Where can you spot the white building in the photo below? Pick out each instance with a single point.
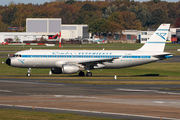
(74, 31)
(18, 36)
(49, 27)
(43, 26)
(46, 28)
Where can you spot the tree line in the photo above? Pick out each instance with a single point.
(107, 16)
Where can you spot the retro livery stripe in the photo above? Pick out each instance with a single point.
(157, 42)
(85, 56)
(162, 29)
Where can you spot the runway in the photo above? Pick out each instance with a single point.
(132, 102)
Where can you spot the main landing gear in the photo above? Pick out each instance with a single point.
(81, 73)
(29, 72)
(88, 74)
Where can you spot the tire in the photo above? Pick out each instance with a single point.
(28, 74)
(88, 74)
(81, 73)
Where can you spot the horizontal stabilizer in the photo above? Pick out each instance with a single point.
(163, 56)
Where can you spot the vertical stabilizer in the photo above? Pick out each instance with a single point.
(158, 40)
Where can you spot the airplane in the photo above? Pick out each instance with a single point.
(73, 61)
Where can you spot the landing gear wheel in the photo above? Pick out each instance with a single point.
(28, 74)
(81, 73)
(89, 74)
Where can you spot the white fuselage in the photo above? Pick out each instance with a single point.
(56, 58)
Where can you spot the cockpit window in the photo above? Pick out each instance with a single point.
(16, 55)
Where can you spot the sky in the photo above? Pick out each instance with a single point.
(6, 2)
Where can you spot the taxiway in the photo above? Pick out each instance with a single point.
(133, 102)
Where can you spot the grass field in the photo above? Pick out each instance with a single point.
(6, 114)
(152, 71)
(110, 46)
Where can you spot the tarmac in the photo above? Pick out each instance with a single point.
(132, 102)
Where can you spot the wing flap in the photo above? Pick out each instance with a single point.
(92, 63)
(96, 60)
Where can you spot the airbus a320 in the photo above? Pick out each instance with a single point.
(73, 61)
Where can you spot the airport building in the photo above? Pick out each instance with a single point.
(46, 28)
(74, 31)
(10, 37)
(50, 28)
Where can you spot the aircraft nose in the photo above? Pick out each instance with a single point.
(8, 61)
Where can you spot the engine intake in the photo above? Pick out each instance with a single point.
(70, 69)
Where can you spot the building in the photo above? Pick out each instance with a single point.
(46, 28)
(18, 37)
(175, 33)
(74, 31)
(130, 35)
(49, 27)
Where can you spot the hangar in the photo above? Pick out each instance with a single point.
(48, 28)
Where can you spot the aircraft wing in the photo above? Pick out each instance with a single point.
(92, 63)
(97, 60)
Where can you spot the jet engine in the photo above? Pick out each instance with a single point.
(70, 69)
(56, 70)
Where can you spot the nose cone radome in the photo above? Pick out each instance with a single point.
(8, 61)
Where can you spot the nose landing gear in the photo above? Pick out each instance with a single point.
(29, 72)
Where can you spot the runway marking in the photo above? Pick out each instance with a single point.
(156, 91)
(28, 82)
(73, 96)
(135, 90)
(166, 102)
(5, 90)
(87, 111)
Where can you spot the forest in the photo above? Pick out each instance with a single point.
(101, 16)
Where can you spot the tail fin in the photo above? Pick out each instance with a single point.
(158, 40)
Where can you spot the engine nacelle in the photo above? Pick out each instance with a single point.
(56, 70)
(70, 69)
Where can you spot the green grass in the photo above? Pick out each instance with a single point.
(110, 46)
(167, 71)
(6, 114)
(170, 69)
